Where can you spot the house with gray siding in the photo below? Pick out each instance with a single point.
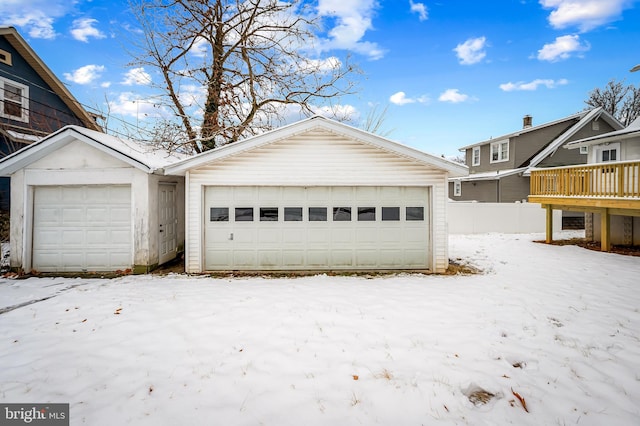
(499, 167)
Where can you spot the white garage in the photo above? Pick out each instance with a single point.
(316, 195)
(84, 201)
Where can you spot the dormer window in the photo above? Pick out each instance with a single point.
(499, 151)
(14, 100)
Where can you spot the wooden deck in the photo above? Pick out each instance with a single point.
(604, 188)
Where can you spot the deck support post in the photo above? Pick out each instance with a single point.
(605, 230)
(549, 227)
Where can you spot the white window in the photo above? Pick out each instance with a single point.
(475, 156)
(14, 100)
(457, 188)
(499, 152)
(584, 150)
(609, 152)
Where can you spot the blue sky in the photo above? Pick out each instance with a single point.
(451, 72)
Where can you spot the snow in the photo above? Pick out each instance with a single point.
(558, 325)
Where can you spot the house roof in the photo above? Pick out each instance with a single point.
(316, 122)
(578, 116)
(29, 55)
(143, 157)
(632, 130)
(594, 114)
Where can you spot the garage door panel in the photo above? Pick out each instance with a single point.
(293, 259)
(393, 243)
(82, 228)
(244, 259)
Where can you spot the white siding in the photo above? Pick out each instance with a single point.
(315, 158)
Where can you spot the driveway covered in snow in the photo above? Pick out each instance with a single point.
(555, 330)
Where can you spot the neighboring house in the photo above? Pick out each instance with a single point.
(85, 201)
(607, 189)
(316, 195)
(33, 102)
(499, 167)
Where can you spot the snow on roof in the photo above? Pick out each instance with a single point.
(494, 175)
(145, 157)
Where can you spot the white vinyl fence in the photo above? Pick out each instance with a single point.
(509, 218)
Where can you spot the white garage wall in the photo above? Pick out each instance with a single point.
(510, 218)
(315, 158)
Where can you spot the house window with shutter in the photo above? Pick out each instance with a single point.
(14, 100)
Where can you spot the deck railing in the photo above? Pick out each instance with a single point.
(603, 180)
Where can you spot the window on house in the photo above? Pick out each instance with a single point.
(293, 214)
(366, 214)
(609, 155)
(14, 100)
(475, 156)
(391, 213)
(457, 188)
(5, 57)
(584, 150)
(499, 151)
(219, 214)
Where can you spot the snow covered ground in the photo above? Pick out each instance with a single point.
(558, 326)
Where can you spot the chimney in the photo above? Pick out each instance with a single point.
(526, 121)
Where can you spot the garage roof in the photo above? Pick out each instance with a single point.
(143, 157)
(316, 122)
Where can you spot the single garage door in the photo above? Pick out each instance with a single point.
(307, 228)
(82, 228)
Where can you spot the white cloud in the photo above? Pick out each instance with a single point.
(420, 9)
(562, 48)
(454, 96)
(83, 29)
(85, 74)
(34, 17)
(136, 76)
(36, 24)
(533, 85)
(471, 51)
(338, 112)
(132, 105)
(584, 14)
(400, 98)
(353, 19)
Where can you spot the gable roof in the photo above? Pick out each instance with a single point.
(316, 122)
(29, 55)
(143, 157)
(594, 114)
(578, 116)
(632, 130)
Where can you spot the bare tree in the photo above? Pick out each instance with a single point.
(375, 120)
(620, 100)
(234, 68)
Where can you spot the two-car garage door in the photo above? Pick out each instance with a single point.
(324, 227)
(82, 228)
